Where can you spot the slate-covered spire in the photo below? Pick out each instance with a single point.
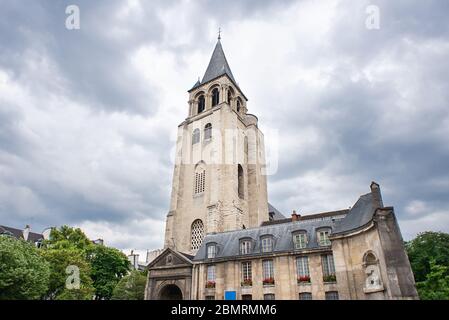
(218, 65)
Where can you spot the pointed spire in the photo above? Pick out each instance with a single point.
(218, 64)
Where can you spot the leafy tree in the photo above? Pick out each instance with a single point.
(24, 274)
(66, 237)
(109, 265)
(61, 258)
(428, 246)
(436, 285)
(131, 287)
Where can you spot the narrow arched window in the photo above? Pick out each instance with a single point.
(201, 104)
(229, 96)
(208, 131)
(215, 97)
(238, 105)
(200, 179)
(241, 190)
(196, 136)
(197, 234)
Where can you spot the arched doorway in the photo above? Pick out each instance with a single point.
(170, 292)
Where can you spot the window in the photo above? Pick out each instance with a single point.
(229, 96)
(241, 188)
(200, 179)
(210, 297)
(201, 104)
(268, 296)
(238, 105)
(207, 131)
(323, 237)
(197, 232)
(302, 268)
(268, 272)
(245, 246)
(247, 297)
(211, 274)
(196, 136)
(215, 97)
(300, 240)
(327, 262)
(247, 274)
(305, 296)
(211, 251)
(267, 244)
(332, 295)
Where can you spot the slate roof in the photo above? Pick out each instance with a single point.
(360, 214)
(17, 233)
(277, 215)
(218, 65)
(228, 242)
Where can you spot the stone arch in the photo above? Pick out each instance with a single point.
(170, 290)
(371, 268)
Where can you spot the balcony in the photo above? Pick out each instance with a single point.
(330, 278)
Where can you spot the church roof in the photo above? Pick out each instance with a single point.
(342, 221)
(218, 65)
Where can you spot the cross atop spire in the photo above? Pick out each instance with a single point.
(219, 33)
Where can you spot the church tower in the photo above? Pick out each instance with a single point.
(218, 181)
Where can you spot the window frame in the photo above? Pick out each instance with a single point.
(247, 271)
(245, 246)
(303, 242)
(268, 269)
(211, 273)
(302, 266)
(325, 242)
(208, 251)
(263, 247)
(196, 136)
(208, 131)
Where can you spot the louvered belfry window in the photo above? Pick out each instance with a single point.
(197, 234)
(200, 181)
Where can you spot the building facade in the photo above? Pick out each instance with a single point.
(223, 240)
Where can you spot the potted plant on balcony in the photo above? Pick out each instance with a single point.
(303, 279)
(330, 278)
(210, 284)
(247, 283)
(268, 281)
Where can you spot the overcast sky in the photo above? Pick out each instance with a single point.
(88, 117)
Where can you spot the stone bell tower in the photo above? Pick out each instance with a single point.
(218, 182)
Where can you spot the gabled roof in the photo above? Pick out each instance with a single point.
(17, 233)
(277, 215)
(218, 65)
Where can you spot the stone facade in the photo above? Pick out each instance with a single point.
(220, 235)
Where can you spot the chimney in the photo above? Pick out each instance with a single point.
(295, 216)
(26, 232)
(377, 196)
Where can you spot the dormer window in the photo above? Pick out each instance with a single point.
(323, 237)
(300, 239)
(245, 246)
(201, 104)
(267, 243)
(211, 250)
(215, 97)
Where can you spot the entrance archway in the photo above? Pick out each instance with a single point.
(170, 292)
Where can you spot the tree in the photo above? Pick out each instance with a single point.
(109, 265)
(60, 286)
(24, 274)
(428, 246)
(66, 237)
(130, 287)
(436, 285)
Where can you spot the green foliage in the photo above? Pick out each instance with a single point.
(59, 259)
(67, 237)
(436, 285)
(428, 246)
(109, 265)
(130, 287)
(24, 274)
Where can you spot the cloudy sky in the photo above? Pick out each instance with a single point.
(88, 117)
